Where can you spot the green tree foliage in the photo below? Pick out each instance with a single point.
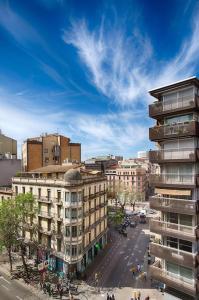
(16, 215)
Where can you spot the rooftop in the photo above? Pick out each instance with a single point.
(182, 83)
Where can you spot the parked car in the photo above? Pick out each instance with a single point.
(142, 218)
(133, 224)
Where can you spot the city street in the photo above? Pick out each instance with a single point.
(122, 253)
(13, 290)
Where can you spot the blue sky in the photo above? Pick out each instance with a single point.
(84, 68)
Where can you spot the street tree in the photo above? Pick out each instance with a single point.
(9, 225)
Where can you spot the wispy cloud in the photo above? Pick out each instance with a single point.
(103, 133)
(124, 68)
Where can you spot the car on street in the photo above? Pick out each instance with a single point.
(133, 224)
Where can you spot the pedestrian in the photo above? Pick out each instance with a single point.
(138, 295)
(61, 293)
(133, 270)
(113, 297)
(107, 296)
(145, 276)
(147, 298)
(138, 268)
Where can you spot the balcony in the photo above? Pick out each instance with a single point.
(174, 155)
(181, 206)
(175, 180)
(45, 214)
(160, 108)
(174, 230)
(45, 230)
(173, 255)
(44, 199)
(175, 281)
(162, 132)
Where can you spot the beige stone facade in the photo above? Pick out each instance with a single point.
(8, 147)
(52, 149)
(72, 213)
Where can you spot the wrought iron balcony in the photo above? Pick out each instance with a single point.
(45, 214)
(181, 206)
(173, 255)
(160, 108)
(174, 155)
(45, 199)
(174, 230)
(175, 180)
(172, 280)
(162, 132)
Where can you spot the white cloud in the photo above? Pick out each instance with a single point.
(99, 134)
(124, 68)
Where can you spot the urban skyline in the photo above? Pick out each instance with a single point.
(87, 73)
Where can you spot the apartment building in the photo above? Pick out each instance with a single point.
(9, 164)
(102, 163)
(72, 214)
(49, 149)
(129, 176)
(8, 147)
(176, 133)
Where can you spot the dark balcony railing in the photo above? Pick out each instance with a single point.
(179, 155)
(177, 282)
(175, 230)
(176, 256)
(45, 199)
(161, 108)
(158, 133)
(181, 206)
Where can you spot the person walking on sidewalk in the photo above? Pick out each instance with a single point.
(138, 295)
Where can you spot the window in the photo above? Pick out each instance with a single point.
(39, 192)
(186, 220)
(73, 213)
(74, 250)
(16, 190)
(58, 195)
(185, 245)
(172, 218)
(31, 190)
(23, 190)
(45, 150)
(59, 245)
(67, 213)
(172, 242)
(73, 197)
(48, 194)
(67, 231)
(67, 197)
(67, 250)
(74, 231)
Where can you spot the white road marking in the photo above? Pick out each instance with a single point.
(5, 287)
(19, 298)
(1, 277)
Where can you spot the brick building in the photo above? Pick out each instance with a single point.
(49, 149)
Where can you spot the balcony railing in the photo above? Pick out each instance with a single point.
(173, 255)
(184, 155)
(45, 214)
(175, 230)
(45, 230)
(162, 132)
(161, 108)
(175, 180)
(180, 283)
(182, 206)
(45, 199)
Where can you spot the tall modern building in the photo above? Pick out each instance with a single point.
(176, 133)
(49, 149)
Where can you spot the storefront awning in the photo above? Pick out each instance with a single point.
(173, 192)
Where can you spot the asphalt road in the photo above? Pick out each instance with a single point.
(124, 252)
(13, 290)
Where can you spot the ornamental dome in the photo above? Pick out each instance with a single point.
(72, 175)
